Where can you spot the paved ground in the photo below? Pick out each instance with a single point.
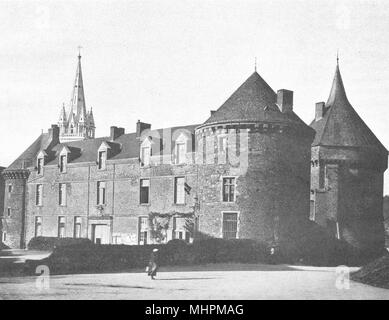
(223, 281)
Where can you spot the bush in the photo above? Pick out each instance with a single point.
(110, 258)
(375, 273)
(49, 243)
(309, 243)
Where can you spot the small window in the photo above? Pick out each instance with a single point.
(228, 189)
(4, 237)
(38, 226)
(62, 163)
(102, 160)
(144, 191)
(8, 212)
(61, 227)
(179, 190)
(143, 229)
(77, 227)
(180, 231)
(38, 194)
(10, 188)
(62, 194)
(180, 152)
(145, 156)
(40, 166)
(312, 210)
(101, 196)
(222, 144)
(230, 225)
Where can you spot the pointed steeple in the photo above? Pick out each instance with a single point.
(76, 124)
(337, 93)
(91, 118)
(78, 99)
(62, 117)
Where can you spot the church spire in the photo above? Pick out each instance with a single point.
(77, 124)
(78, 99)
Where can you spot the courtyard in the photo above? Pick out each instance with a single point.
(213, 281)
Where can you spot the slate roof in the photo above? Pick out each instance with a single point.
(26, 158)
(127, 144)
(341, 125)
(253, 101)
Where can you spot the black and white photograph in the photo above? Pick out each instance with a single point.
(194, 150)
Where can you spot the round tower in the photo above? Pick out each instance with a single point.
(347, 167)
(254, 153)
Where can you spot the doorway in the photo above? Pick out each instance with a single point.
(101, 233)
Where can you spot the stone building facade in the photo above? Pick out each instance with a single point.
(2, 211)
(347, 173)
(243, 173)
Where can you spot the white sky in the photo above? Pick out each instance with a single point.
(170, 62)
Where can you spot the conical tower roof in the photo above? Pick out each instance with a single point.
(341, 125)
(253, 101)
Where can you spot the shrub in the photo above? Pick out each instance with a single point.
(375, 273)
(49, 243)
(110, 258)
(310, 243)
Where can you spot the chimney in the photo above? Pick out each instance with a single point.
(116, 133)
(212, 112)
(140, 127)
(53, 134)
(319, 110)
(285, 100)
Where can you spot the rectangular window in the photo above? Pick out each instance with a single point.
(38, 194)
(321, 176)
(145, 156)
(179, 190)
(180, 231)
(38, 226)
(230, 225)
(62, 163)
(62, 194)
(77, 227)
(180, 153)
(102, 160)
(223, 144)
(8, 212)
(144, 191)
(9, 188)
(312, 210)
(61, 227)
(100, 192)
(143, 228)
(40, 166)
(228, 189)
(4, 236)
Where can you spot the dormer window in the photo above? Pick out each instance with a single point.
(145, 156)
(101, 163)
(180, 149)
(63, 159)
(40, 165)
(40, 162)
(103, 153)
(145, 152)
(62, 163)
